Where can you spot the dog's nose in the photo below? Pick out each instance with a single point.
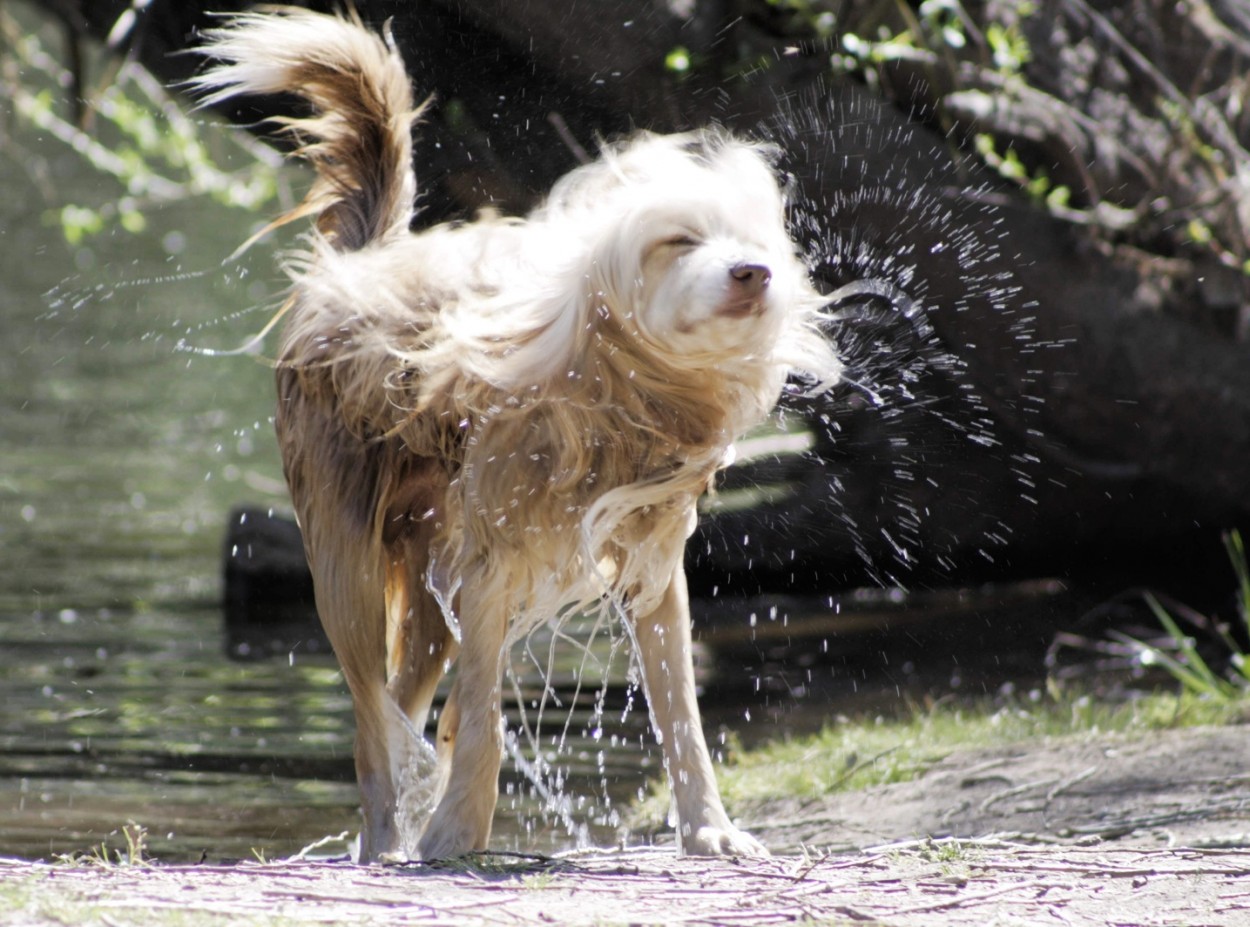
(751, 278)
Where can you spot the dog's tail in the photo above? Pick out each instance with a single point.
(358, 136)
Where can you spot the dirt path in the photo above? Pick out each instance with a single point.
(1100, 831)
(924, 885)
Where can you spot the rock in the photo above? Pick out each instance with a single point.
(268, 592)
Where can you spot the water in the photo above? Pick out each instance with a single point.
(121, 459)
(118, 717)
(112, 717)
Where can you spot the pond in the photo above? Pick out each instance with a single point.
(121, 457)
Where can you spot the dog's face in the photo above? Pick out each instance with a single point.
(694, 255)
(716, 268)
(708, 283)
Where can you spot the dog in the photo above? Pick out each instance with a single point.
(493, 424)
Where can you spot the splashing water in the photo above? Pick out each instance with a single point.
(905, 454)
(415, 774)
(566, 657)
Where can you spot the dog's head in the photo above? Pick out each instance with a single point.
(667, 258)
(690, 249)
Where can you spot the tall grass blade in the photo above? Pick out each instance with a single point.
(1188, 668)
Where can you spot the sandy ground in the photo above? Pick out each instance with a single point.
(1158, 790)
(1149, 830)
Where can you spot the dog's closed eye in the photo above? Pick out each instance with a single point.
(671, 245)
(680, 241)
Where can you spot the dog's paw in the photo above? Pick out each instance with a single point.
(447, 842)
(722, 841)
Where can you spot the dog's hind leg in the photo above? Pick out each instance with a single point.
(350, 600)
(423, 648)
(420, 648)
(335, 483)
(420, 644)
(471, 729)
(664, 649)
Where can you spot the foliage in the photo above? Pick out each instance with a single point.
(895, 31)
(1034, 181)
(129, 130)
(1064, 100)
(819, 17)
(677, 61)
(1069, 103)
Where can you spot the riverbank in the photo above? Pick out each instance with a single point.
(1114, 829)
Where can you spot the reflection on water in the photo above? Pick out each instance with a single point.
(121, 458)
(111, 718)
(117, 717)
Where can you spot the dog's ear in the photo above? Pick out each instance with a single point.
(526, 337)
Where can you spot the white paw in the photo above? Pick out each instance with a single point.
(722, 841)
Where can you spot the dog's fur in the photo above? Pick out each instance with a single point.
(487, 425)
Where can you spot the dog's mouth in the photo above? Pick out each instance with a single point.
(741, 309)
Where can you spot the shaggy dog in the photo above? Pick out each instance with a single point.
(487, 426)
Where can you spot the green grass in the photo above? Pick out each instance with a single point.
(1178, 653)
(855, 754)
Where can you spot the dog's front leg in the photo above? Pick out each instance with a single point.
(473, 727)
(664, 647)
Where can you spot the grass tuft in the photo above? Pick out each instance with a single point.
(134, 852)
(1178, 652)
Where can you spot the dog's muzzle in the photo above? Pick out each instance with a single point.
(751, 279)
(748, 283)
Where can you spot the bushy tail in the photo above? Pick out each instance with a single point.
(358, 136)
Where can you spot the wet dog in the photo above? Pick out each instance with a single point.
(486, 426)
